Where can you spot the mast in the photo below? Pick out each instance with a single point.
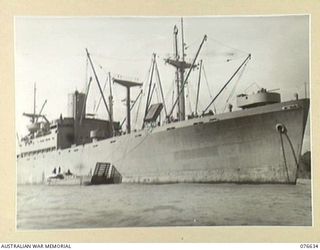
(44, 104)
(110, 100)
(127, 84)
(85, 102)
(149, 89)
(132, 106)
(161, 90)
(188, 74)
(175, 33)
(182, 96)
(180, 66)
(101, 91)
(198, 88)
(34, 102)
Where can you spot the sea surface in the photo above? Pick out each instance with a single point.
(144, 205)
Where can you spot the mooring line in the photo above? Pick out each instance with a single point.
(284, 157)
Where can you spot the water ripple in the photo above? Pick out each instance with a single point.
(134, 205)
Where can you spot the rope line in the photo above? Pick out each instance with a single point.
(227, 46)
(282, 130)
(206, 80)
(235, 85)
(284, 156)
(294, 154)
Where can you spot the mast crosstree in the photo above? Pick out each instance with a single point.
(181, 65)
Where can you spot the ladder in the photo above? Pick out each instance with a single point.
(105, 173)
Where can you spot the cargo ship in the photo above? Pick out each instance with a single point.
(260, 142)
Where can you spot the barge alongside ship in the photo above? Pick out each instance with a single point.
(260, 143)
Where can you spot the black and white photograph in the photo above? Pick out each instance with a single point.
(181, 121)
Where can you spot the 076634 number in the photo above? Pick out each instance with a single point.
(311, 245)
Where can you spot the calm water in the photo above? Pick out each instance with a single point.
(137, 205)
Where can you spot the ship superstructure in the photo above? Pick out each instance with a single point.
(64, 132)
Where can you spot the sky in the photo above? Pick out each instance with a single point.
(51, 52)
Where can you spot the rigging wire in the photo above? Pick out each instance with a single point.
(143, 87)
(173, 88)
(149, 89)
(95, 107)
(138, 108)
(189, 98)
(101, 92)
(86, 73)
(131, 107)
(110, 58)
(157, 93)
(190, 45)
(208, 87)
(252, 84)
(189, 89)
(192, 98)
(104, 87)
(226, 84)
(152, 91)
(160, 88)
(170, 90)
(227, 46)
(235, 85)
(205, 77)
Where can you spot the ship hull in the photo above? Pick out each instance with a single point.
(244, 146)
